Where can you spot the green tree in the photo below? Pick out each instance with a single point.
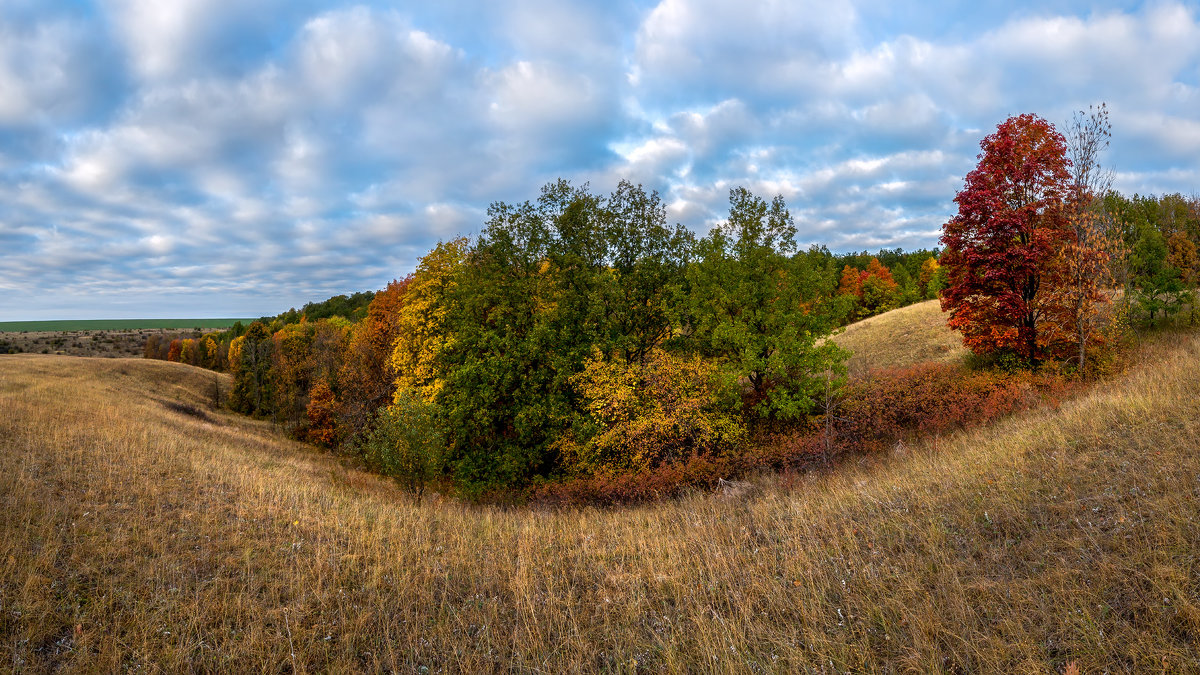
(252, 378)
(513, 322)
(547, 284)
(406, 442)
(1154, 283)
(757, 311)
(645, 278)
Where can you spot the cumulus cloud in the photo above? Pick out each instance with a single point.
(242, 157)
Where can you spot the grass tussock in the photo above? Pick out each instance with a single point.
(902, 337)
(137, 537)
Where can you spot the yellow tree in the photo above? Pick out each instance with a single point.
(929, 275)
(419, 338)
(235, 353)
(329, 341)
(210, 352)
(188, 352)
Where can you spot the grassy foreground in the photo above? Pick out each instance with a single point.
(140, 529)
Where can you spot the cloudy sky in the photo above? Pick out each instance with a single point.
(238, 157)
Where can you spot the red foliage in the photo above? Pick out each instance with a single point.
(668, 480)
(877, 270)
(851, 283)
(1001, 247)
(853, 280)
(929, 399)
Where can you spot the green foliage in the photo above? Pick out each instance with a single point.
(642, 415)
(759, 311)
(1160, 234)
(352, 307)
(545, 285)
(1154, 283)
(406, 442)
(252, 392)
(644, 279)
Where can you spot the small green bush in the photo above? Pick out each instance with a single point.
(406, 442)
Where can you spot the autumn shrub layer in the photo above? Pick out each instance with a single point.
(870, 415)
(904, 403)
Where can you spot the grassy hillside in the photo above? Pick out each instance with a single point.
(113, 324)
(143, 530)
(902, 337)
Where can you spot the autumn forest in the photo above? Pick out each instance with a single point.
(582, 349)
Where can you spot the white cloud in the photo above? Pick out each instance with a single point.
(696, 47)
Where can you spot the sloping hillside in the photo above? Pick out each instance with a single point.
(142, 530)
(901, 337)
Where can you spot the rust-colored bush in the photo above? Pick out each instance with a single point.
(322, 412)
(894, 404)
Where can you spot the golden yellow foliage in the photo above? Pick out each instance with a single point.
(645, 415)
(419, 340)
(235, 353)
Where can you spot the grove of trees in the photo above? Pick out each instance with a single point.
(580, 337)
(579, 334)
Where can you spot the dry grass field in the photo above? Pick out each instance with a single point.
(902, 337)
(141, 530)
(105, 343)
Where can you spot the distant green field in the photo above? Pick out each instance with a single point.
(114, 324)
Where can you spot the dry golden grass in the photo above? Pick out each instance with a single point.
(137, 536)
(902, 337)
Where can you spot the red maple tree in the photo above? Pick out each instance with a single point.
(1001, 249)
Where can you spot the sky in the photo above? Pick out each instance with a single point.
(234, 158)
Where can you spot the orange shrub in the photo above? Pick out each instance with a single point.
(175, 350)
(894, 404)
(322, 412)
